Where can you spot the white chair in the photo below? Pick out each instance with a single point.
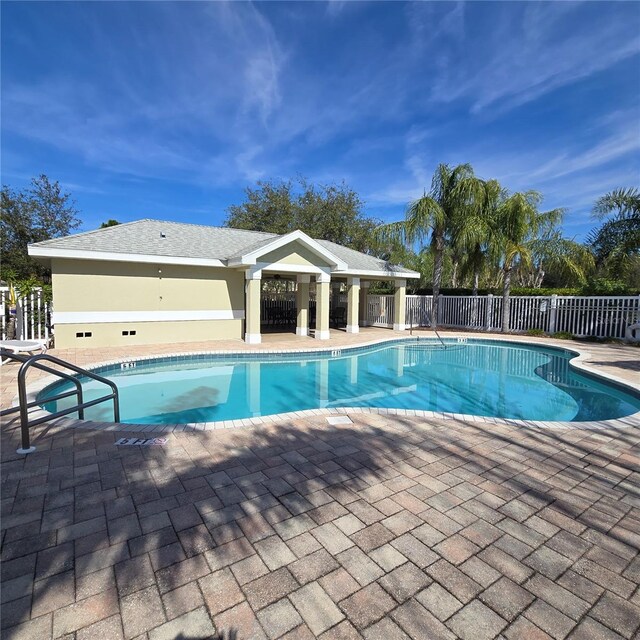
(23, 346)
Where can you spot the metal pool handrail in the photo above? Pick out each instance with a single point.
(24, 405)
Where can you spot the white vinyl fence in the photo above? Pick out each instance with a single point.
(594, 316)
(380, 310)
(32, 319)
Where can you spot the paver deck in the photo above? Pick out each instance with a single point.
(387, 527)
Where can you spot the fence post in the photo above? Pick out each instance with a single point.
(19, 325)
(489, 313)
(553, 314)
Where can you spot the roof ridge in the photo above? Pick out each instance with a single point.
(208, 226)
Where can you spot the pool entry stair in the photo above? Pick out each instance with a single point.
(24, 405)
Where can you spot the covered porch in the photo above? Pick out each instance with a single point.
(284, 300)
(321, 290)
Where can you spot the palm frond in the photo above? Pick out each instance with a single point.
(625, 202)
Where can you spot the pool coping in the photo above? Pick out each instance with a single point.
(152, 430)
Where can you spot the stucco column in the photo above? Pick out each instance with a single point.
(364, 292)
(400, 305)
(323, 292)
(302, 304)
(353, 305)
(252, 306)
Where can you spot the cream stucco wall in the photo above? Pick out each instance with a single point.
(101, 288)
(293, 253)
(109, 334)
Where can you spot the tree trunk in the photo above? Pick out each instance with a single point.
(437, 278)
(476, 281)
(506, 289)
(454, 275)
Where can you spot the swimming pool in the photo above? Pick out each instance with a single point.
(472, 377)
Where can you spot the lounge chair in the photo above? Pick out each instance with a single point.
(23, 346)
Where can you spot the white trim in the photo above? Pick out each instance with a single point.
(253, 338)
(399, 327)
(322, 335)
(353, 328)
(281, 241)
(95, 317)
(378, 275)
(276, 267)
(323, 278)
(253, 273)
(111, 256)
(302, 331)
(77, 254)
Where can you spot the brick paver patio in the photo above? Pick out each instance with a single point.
(388, 527)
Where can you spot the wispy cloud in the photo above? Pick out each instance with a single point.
(213, 96)
(533, 50)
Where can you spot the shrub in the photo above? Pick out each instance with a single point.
(607, 287)
(535, 332)
(563, 335)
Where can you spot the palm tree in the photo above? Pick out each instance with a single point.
(517, 223)
(473, 231)
(455, 192)
(618, 239)
(569, 260)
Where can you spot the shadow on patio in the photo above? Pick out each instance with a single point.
(320, 528)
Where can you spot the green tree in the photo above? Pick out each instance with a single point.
(473, 231)
(517, 223)
(616, 243)
(559, 260)
(40, 212)
(436, 217)
(109, 223)
(331, 212)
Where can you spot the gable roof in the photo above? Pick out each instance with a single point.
(181, 243)
(252, 254)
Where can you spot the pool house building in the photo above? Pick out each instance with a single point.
(152, 282)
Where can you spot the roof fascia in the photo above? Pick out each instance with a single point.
(315, 247)
(411, 275)
(108, 256)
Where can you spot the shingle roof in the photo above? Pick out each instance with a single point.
(177, 240)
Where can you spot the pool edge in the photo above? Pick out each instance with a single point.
(577, 362)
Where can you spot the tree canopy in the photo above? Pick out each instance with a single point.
(332, 212)
(616, 243)
(439, 217)
(39, 212)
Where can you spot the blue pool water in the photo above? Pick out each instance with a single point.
(481, 378)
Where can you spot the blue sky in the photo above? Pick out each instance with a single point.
(169, 110)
